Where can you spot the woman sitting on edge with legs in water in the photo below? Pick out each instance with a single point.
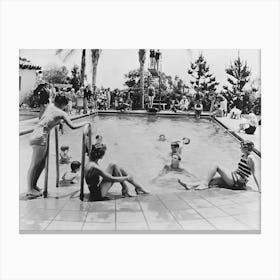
(237, 180)
(52, 116)
(112, 174)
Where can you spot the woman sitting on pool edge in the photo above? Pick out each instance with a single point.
(112, 174)
(237, 180)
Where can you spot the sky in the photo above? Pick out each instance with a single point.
(115, 63)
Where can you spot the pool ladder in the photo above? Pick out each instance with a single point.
(85, 144)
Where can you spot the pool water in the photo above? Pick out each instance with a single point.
(132, 142)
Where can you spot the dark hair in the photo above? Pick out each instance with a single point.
(248, 144)
(75, 165)
(43, 94)
(64, 148)
(60, 99)
(175, 144)
(97, 151)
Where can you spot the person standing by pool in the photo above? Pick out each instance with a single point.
(52, 116)
(224, 105)
(152, 58)
(151, 94)
(157, 58)
(198, 107)
(236, 180)
(112, 174)
(79, 100)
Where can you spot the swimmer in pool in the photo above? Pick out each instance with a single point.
(177, 146)
(174, 167)
(98, 139)
(162, 138)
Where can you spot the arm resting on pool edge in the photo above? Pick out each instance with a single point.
(252, 167)
(71, 124)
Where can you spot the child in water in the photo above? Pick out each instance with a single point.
(98, 139)
(162, 138)
(177, 146)
(71, 177)
(64, 155)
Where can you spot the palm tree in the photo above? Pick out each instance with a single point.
(83, 66)
(95, 54)
(142, 57)
(83, 60)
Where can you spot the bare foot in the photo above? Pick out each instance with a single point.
(140, 190)
(33, 193)
(183, 184)
(37, 189)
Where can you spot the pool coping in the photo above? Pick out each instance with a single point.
(145, 113)
(236, 136)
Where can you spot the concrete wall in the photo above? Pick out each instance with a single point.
(27, 80)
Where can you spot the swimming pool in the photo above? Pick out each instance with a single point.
(132, 142)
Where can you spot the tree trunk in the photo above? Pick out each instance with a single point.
(83, 67)
(142, 90)
(142, 57)
(95, 54)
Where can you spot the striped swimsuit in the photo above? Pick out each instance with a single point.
(242, 174)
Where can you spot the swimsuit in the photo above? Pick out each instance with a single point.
(241, 175)
(93, 182)
(250, 130)
(50, 119)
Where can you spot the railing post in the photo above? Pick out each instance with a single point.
(45, 193)
(82, 169)
(57, 156)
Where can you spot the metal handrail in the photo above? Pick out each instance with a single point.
(45, 193)
(86, 133)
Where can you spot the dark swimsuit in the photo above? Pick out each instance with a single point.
(250, 130)
(93, 181)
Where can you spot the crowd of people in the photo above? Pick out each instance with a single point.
(83, 100)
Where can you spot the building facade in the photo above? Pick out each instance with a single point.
(28, 76)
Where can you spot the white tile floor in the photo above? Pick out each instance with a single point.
(204, 211)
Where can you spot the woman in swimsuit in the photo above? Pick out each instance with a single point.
(52, 116)
(112, 174)
(237, 180)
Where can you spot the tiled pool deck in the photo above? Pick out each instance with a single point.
(212, 210)
(206, 211)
